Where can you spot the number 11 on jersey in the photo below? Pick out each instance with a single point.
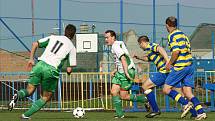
(56, 47)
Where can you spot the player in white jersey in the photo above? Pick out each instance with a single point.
(123, 75)
(46, 71)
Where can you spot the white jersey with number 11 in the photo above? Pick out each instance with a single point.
(58, 48)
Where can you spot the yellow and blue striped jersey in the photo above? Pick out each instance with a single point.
(156, 57)
(177, 40)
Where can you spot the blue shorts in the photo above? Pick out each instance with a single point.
(184, 76)
(159, 79)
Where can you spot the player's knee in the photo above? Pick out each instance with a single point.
(187, 91)
(145, 87)
(47, 96)
(114, 92)
(30, 89)
(188, 95)
(166, 90)
(124, 97)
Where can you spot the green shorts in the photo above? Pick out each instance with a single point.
(46, 75)
(122, 80)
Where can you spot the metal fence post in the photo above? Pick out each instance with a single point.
(212, 43)
(82, 90)
(178, 15)
(212, 100)
(154, 27)
(106, 92)
(60, 16)
(121, 20)
(59, 92)
(206, 81)
(167, 103)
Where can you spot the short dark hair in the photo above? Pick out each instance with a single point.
(143, 38)
(112, 33)
(70, 31)
(171, 21)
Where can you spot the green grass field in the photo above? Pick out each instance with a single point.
(96, 116)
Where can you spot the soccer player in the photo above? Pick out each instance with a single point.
(159, 57)
(46, 71)
(182, 68)
(123, 75)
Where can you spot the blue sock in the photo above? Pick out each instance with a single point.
(151, 98)
(177, 97)
(193, 112)
(197, 105)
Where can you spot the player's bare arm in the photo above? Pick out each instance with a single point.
(143, 58)
(125, 67)
(33, 50)
(174, 57)
(112, 73)
(163, 53)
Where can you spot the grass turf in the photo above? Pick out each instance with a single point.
(97, 116)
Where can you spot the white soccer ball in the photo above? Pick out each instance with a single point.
(78, 112)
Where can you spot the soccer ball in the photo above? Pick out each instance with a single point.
(78, 112)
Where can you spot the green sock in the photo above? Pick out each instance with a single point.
(22, 93)
(138, 98)
(36, 106)
(117, 105)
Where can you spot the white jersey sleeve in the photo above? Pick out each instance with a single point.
(44, 41)
(72, 57)
(119, 49)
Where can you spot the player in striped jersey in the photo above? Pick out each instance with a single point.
(157, 55)
(182, 70)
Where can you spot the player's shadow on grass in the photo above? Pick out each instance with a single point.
(48, 118)
(174, 118)
(61, 118)
(130, 117)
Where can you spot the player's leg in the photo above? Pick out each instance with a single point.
(20, 95)
(179, 90)
(49, 83)
(37, 105)
(178, 98)
(117, 102)
(187, 90)
(48, 88)
(156, 79)
(32, 84)
(147, 86)
(124, 95)
(126, 85)
(192, 110)
(119, 82)
(174, 78)
(115, 89)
